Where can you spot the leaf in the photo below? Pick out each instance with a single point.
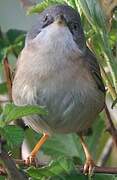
(3, 88)
(104, 177)
(94, 139)
(94, 13)
(2, 177)
(13, 135)
(63, 169)
(43, 5)
(55, 168)
(108, 7)
(12, 112)
(67, 145)
(14, 35)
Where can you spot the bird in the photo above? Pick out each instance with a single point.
(57, 70)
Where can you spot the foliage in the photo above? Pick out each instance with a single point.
(65, 151)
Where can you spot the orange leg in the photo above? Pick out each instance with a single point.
(34, 152)
(89, 164)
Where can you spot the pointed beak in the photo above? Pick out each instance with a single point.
(60, 20)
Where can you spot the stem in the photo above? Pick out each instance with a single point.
(111, 128)
(8, 77)
(107, 170)
(11, 170)
(108, 83)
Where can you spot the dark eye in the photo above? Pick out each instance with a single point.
(75, 26)
(45, 18)
(47, 21)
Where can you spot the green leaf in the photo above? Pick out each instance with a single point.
(14, 35)
(94, 13)
(13, 135)
(43, 5)
(12, 112)
(94, 139)
(3, 88)
(104, 177)
(55, 168)
(64, 169)
(67, 145)
(2, 177)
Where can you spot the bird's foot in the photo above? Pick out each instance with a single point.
(89, 167)
(30, 160)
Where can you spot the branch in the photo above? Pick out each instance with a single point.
(9, 168)
(105, 153)
(108, 83)
(8, 77)
(107, 170)
(110, 127)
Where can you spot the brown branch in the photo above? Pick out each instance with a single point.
(11, 170)
(110, 127)
(8, 77)
(107, 170)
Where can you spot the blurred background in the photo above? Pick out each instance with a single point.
(99, 19)
(13, 16)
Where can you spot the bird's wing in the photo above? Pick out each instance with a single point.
(94, 69)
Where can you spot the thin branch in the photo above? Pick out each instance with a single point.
(110, 127)
(10, 167)
(108, 83)
(105, 153)
(107, 170)
(8, 77)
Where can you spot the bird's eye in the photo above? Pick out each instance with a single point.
(47, 21)
(75, 27)
(45, 18)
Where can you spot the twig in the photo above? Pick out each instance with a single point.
(108, 83)
(8, 77)
(107, 170)
(3, 101)
(97, 169)
(2, 171)
(105, 153)
(10, 167)
(110, 127)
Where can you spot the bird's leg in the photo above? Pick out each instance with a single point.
(89, 164)
(31, 157)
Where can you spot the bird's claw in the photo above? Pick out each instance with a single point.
(89, 167)
(30, 160)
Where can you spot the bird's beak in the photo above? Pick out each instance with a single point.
(60, 20)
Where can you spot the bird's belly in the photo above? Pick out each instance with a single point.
(66, 89)
(69, 109)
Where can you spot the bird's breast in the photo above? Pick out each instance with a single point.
(56, 77)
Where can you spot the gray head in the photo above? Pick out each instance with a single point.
(60, 13)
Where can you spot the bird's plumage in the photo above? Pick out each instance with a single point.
(57, 70)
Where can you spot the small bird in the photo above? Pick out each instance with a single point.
(57, 70)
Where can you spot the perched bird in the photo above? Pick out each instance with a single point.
(57, 70)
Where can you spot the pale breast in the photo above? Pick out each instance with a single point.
(57, 77)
